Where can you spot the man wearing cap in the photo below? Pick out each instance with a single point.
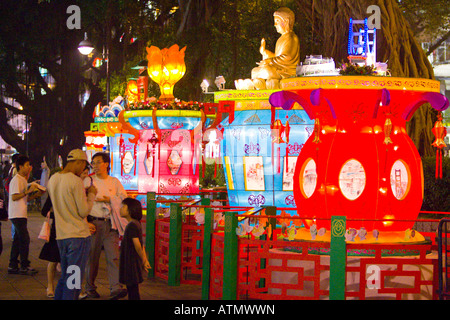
(71, 207)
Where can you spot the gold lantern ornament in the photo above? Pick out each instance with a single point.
(166, 67)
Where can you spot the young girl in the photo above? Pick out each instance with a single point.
(132, 253)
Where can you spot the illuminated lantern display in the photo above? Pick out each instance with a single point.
(154, 144)
(160, 156)
(95, 142)
(166, 67)
(359, 163)
(132, 91)
(142, 83)
(260, 147)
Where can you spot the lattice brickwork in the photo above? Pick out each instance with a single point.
(266, 272)
(191, 254)
(401, 277)
(162, 227)
(216, 277)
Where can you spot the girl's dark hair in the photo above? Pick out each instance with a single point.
(134, 208)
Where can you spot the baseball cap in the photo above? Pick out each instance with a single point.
(77, 154)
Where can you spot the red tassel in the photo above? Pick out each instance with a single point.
(203, 166)
(287, 159)
(437, 163)
(279, 163)
(135, 163)
(121, 154)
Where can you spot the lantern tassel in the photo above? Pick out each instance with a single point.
(287, 132)
(121, 154)
(439, 132)
(135, 163)
(278, 160)
(203, 164)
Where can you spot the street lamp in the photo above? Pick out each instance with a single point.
(85, 47)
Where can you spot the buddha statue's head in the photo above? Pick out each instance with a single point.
(286, 19)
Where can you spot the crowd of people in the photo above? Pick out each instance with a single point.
(88, 212)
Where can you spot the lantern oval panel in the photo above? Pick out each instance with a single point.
(400, 179)
(308, 178)
(352, 179)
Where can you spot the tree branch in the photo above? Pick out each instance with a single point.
(13, 109)
(438, 43)
(8, 133)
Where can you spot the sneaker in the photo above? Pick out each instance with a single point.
(119, 294)
(92, 294)
(12, 270)
(28, 271)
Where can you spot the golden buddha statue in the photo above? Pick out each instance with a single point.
(283, 62)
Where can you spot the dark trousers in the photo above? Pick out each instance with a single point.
(20, 244)
(133, 292)
(1, 241)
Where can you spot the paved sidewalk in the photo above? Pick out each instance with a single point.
(21, 287)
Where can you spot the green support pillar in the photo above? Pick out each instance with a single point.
(175, 245)
(207, 234)
(338, 258)
(230, 258)
(150, 232)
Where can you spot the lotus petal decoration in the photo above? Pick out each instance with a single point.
(166, 67)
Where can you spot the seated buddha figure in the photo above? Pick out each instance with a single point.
(283, 62)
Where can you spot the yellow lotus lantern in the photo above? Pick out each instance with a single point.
(166, 67)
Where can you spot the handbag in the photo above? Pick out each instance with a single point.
(44, 234)
(3, 207)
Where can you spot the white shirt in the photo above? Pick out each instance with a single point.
(18, 208)
(110, 187)
(70, 205)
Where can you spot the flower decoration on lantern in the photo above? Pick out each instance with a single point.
(152, 103)
(353, 69)
(166, 67)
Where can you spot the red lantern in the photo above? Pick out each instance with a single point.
(360, 162)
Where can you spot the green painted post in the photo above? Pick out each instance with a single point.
(230, 258)
(207, 233)
(150, 232)
(203, 202)
(338, 258)
(175, 245)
